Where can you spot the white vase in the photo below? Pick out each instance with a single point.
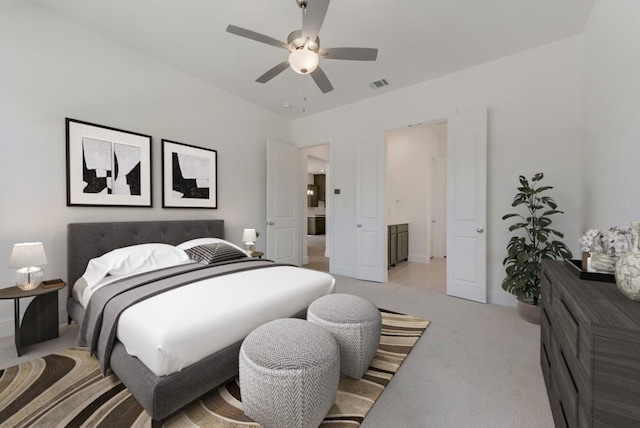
(628, 268)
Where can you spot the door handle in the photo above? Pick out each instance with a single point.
(270, 223)
(479, 230)
(358, 225)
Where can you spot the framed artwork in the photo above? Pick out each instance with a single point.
(107, 166)
(189, 176)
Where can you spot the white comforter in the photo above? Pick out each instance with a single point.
(180, 327)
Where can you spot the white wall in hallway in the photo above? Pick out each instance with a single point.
(410, 183)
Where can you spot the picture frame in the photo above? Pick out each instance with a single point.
(189, 176)
(107, 166)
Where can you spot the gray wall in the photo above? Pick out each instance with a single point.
(611, 115)
(52, 69)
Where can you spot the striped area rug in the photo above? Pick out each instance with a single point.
(66, 389)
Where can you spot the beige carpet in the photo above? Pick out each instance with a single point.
(67, 389)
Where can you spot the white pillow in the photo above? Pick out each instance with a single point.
(204, 241)
(133, 259)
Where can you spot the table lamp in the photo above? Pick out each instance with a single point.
(249, 238)
(26, 257)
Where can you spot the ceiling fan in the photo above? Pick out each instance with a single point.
(304, 46)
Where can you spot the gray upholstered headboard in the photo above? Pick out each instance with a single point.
(89, 240)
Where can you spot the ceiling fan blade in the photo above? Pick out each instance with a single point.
(313, 17)
(353, 54)
(243, 32)
(273, 72)
(322, 80)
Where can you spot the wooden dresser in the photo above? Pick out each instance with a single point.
(590, 351)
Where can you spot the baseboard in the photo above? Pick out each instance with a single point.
(419, 259)
(305, 260)
(501, 298)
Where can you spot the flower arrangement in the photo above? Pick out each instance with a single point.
(587, 241)
(606, 246)
(614, 241)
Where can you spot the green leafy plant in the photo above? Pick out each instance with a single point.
(534, 240)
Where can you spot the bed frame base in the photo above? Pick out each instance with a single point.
(160, 396)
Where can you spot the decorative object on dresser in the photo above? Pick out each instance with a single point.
(590, 351)
(605, 247)
(107, 166)
(249, 237)
(591, 275)
(627, 269)
(587, 246)
(189, 176)
(27, 257)
(533, 243)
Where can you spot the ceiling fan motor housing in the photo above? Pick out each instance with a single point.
(296, 41)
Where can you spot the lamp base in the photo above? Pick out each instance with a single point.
(250, 247)
(29, 278)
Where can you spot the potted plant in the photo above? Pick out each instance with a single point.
(534, 240)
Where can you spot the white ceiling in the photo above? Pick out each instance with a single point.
(417, 40)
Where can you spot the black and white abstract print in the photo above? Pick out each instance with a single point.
(111, 167)
(190, 176)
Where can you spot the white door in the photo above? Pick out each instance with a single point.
(466, 205)
(282, 203)
(371, 236)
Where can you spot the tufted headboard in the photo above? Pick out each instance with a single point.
(89, 240)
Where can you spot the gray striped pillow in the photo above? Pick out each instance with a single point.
(214, 253)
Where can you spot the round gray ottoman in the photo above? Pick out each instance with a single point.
(355, 323)
(289, 373)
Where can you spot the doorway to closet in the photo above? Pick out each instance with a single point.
(416, 160)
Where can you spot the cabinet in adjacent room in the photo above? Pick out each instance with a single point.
(316, 225)
(312, 195)
(319, 180)
(589, 351)
(397, 243)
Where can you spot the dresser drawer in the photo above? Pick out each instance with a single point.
(546, 289)
(545, 365)
(564, 384)
(545, 327)
(568, 328)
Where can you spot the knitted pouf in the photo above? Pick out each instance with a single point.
(289, 373)
(356, 325)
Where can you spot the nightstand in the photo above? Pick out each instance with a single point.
(257, 254)
(40, 320)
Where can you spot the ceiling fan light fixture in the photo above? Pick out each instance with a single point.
(303, 60)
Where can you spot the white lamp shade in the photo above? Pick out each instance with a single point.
(303, 61)
(28, 254)
(249, 235)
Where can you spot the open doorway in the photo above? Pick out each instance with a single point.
(416, 202)
(316, 250)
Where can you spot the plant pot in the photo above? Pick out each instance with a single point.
(529, 312)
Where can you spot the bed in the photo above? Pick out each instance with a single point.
(162, 394)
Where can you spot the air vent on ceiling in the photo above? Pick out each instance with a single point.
(379, 84)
